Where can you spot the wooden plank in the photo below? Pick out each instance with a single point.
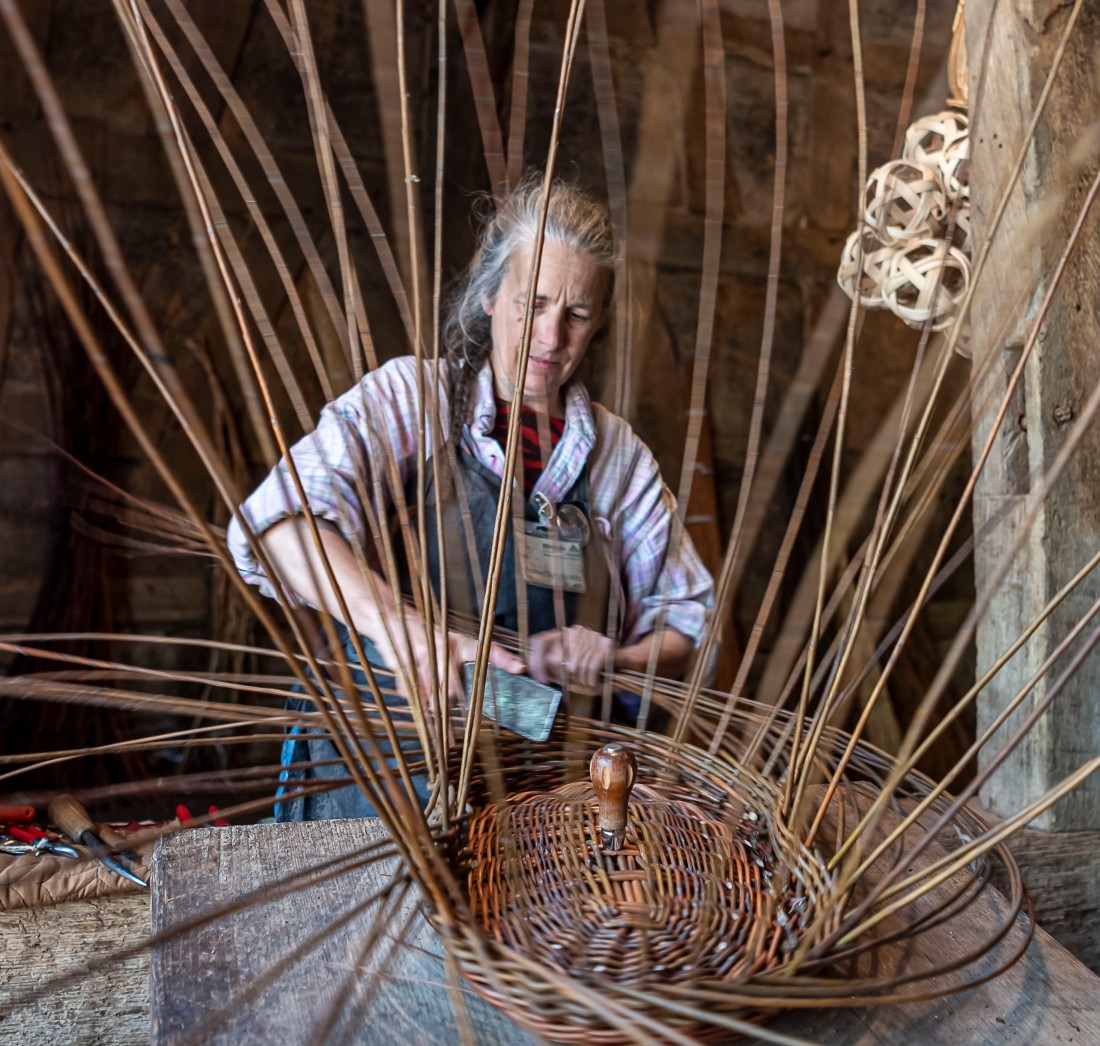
(1057, 379)
(1047, 999)
(201, 981)
(1063, 878)
(108, 1005)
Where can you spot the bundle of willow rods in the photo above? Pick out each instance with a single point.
(770, 855)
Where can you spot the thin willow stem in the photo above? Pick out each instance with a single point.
(485, 634)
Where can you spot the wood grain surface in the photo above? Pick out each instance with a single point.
(108, 1004)
(207, 985)
(1061, 873)
(200, 982)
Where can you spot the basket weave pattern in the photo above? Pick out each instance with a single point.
(705, 890)
(682, 900)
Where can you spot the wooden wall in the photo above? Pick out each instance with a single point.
(656, 60)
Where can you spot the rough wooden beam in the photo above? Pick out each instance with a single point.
(1059, 375)
(1063, 878)
(109, 1005)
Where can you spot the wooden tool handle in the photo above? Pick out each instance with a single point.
(613, 770)
(71, 817)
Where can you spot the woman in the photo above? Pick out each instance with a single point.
(597, 518)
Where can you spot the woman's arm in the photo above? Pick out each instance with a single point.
(672, 655)
(582, 656)
(371, 606)
(290, 547)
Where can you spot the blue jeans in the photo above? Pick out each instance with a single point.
(348, 801)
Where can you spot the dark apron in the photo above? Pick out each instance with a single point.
(480, 489)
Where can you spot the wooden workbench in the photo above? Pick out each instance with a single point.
(1049, 999)
(107, 1005)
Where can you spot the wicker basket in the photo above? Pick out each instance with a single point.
(701, 890)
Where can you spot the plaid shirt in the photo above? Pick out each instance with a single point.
(367, 439)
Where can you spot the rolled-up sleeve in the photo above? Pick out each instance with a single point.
(363, 443)
(664, 580)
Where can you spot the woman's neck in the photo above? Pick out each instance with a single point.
(541, 403)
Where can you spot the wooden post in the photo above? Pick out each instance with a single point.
(1060, 374)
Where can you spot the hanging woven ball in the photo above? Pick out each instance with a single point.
(904, 201)
(962, 236)
(954, 168)
(926, 281)
(932, 139)
(869, 268)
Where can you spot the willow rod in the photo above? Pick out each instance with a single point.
(798, 753)
(319, 125)
(443, 690)
(201, 1031)
(798, 511)
(724, 590)
(388, 915)
(270, 168)
(976, 271)
(714, 80)
(521, 80)
(952, 863)
(263, 227)
(485, 633)
(156, 364)
(1013, 704)
(158, 96)
(603, 84)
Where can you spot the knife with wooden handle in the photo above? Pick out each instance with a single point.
(74, 821)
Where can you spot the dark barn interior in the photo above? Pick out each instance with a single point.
(681, 116)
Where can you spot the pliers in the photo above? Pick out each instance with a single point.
(19, 841)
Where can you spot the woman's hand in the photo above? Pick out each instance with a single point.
(373, 611)
(410, 659)
(576, 655)
(581, 656)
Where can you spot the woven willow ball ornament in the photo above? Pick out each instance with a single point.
(927, 280)
(644, 879)
(941, 143)
(870, 269)
(954, 168)
(904, 201)
(961, 238)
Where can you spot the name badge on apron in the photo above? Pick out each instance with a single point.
(553, 547)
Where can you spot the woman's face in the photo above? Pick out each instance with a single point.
(567, 306)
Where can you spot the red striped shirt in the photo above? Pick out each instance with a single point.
(530, 448)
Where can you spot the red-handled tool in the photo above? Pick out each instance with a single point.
(8, 814)
(33, 841)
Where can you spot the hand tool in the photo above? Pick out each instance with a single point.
(16, 813)
(71, 817)
(42, 845)
(613, 770)
(40, 842)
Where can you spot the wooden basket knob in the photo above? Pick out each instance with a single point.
(613, 771)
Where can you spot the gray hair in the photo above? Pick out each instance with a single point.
(575, 219)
